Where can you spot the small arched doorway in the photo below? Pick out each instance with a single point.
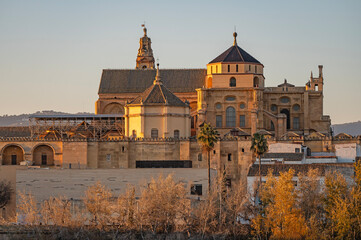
(287, 113)
(43, 155)
(12, 155)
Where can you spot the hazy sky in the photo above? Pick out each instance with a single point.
(52, 52)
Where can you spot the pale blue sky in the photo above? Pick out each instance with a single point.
(52, 52)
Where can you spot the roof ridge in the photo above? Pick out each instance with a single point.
(231, 48)
(150, 92)
(161, 91)
(239, 52)
(120, 69)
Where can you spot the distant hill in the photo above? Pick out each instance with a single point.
(353, 128)
(23, 119)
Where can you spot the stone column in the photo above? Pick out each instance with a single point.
(126, 122)
(306, 117)
(165, 122)
(142, 122)
(253, 121)
(281, 124)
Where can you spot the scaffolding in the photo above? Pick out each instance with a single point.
(95, 126)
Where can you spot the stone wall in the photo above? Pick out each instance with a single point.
(72, 183)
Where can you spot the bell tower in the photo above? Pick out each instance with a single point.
(145, 59)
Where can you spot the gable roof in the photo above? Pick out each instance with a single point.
(343, 135)
(158, 94)
(235, 54)
(136, 80)
(285, 84)
(237, 132)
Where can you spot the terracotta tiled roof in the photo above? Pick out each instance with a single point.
(158, 94)
(15, 132)
(136, 81)
(235, 54)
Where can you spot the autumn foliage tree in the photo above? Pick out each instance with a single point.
(5, 193)
(281, 214)
(160, 204)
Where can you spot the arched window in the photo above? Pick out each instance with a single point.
(296, 107)
(232, 82)
(154, 133)
(230, 117)
(272, 125)
(229, 68)
(199, 156)
(255, 82)
(274, 108)
(285, 100)
(176, 133)
(230, 98)
(236, 68)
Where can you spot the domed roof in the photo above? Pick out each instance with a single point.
(235, 54)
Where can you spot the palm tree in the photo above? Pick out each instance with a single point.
(208, 137)
(259, 146)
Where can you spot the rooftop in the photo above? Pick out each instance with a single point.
(137, 80)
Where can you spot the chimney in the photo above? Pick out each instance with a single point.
(320, 71)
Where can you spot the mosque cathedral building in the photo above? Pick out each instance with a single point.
(148, 117)
(230, 94)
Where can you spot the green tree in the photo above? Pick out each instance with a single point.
(207, 138)
(259, 146)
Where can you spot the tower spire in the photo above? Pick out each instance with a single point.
(157, 76)
(235, 39)
(145, 59)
